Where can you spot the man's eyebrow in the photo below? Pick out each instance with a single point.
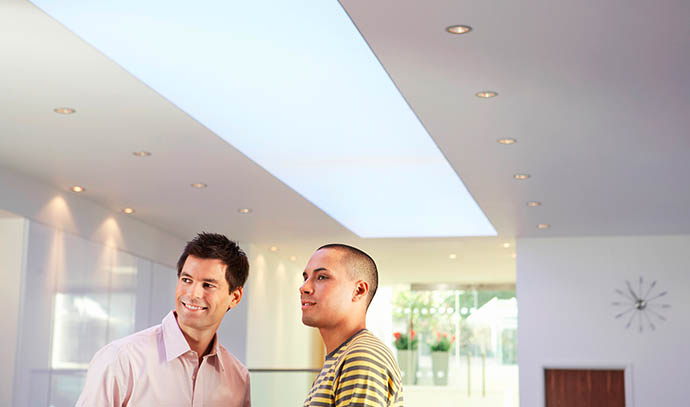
(208, 280)
(316, 270)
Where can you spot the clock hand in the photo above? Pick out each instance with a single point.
(624, 294)
(627, 283)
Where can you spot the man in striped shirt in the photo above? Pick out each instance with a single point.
(339, 284)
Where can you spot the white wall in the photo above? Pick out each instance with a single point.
(69, 212)
(276, 337)
(565, 287)
(12, 237)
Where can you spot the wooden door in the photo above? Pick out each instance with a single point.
(584, 388)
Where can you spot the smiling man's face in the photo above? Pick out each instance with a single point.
(202, 295)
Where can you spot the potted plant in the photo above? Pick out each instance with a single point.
(440, 354)
(408, 358)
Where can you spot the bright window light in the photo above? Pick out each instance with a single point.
(294, 86)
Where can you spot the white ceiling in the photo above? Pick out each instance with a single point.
(597, 95)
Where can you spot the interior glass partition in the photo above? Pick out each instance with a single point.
(77, 296)
(453, 343)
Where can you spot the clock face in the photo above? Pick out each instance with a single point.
(641, 305)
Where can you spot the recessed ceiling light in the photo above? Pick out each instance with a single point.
(452, 256)
(293, 258)
(141, 153)
(128, 211)
(64, 110)
(244, 211)
(506, 245)
(198, 185)
(459, 29)
(506, 141)
(521, 176)
(486, 94)
(77, 188)
(533, 203)
(274, 249)
(543, 226)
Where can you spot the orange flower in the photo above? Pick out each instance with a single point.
(412, 334)
(397, 335)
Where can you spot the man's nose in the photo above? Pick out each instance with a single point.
(305, 288)
(196, 290)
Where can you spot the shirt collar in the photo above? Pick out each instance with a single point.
(176, 345)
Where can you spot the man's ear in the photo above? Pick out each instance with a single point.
(361, 291)
(236, 295)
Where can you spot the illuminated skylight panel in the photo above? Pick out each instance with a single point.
(294, 87)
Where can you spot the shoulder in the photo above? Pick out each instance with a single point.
(368, 371)
(367, 345)
(232, 364)
(123, 350)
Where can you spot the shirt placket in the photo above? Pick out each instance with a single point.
(193, 360)
(198, 396)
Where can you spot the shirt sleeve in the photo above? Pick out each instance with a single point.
(363, 381)
(108, 381)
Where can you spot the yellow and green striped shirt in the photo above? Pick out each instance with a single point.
(360, 372)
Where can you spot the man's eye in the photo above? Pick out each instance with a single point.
(207, 285)
(186, 280)
(321, 277)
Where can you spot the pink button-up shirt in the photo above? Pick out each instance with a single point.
(156, 367)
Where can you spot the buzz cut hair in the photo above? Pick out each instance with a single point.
(359, 265)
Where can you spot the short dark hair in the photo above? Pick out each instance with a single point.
(360, 265)
(216, 246)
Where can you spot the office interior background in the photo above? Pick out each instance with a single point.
(565, 123)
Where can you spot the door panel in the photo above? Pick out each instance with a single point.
(584, 388)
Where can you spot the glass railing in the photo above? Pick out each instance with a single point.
(281, 387)
(269, 387)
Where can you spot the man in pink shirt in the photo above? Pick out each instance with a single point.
(180, 362)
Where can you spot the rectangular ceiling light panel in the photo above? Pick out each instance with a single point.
(294, 86)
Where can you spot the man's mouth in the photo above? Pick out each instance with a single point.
(307, 304)
(193, 307)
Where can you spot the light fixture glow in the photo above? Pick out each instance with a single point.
(452, 256)
(506, 141)
(78, 188)
(293, 258)
(320, 84)
(533, 204)
(245, 211)
(459, 29)
(513, 256)
(64, 110)
(521, 176)
(486, 94)
(141, 154)
(543, 226)
(128, 211)
(198, 185)
(274, 249)
(506, 245)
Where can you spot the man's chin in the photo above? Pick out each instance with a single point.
(309, 322)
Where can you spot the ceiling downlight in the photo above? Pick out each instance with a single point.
(459, 29)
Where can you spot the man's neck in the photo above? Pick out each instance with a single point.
(335, 336)
(199, 341)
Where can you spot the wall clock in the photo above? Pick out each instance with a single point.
(641, 305)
